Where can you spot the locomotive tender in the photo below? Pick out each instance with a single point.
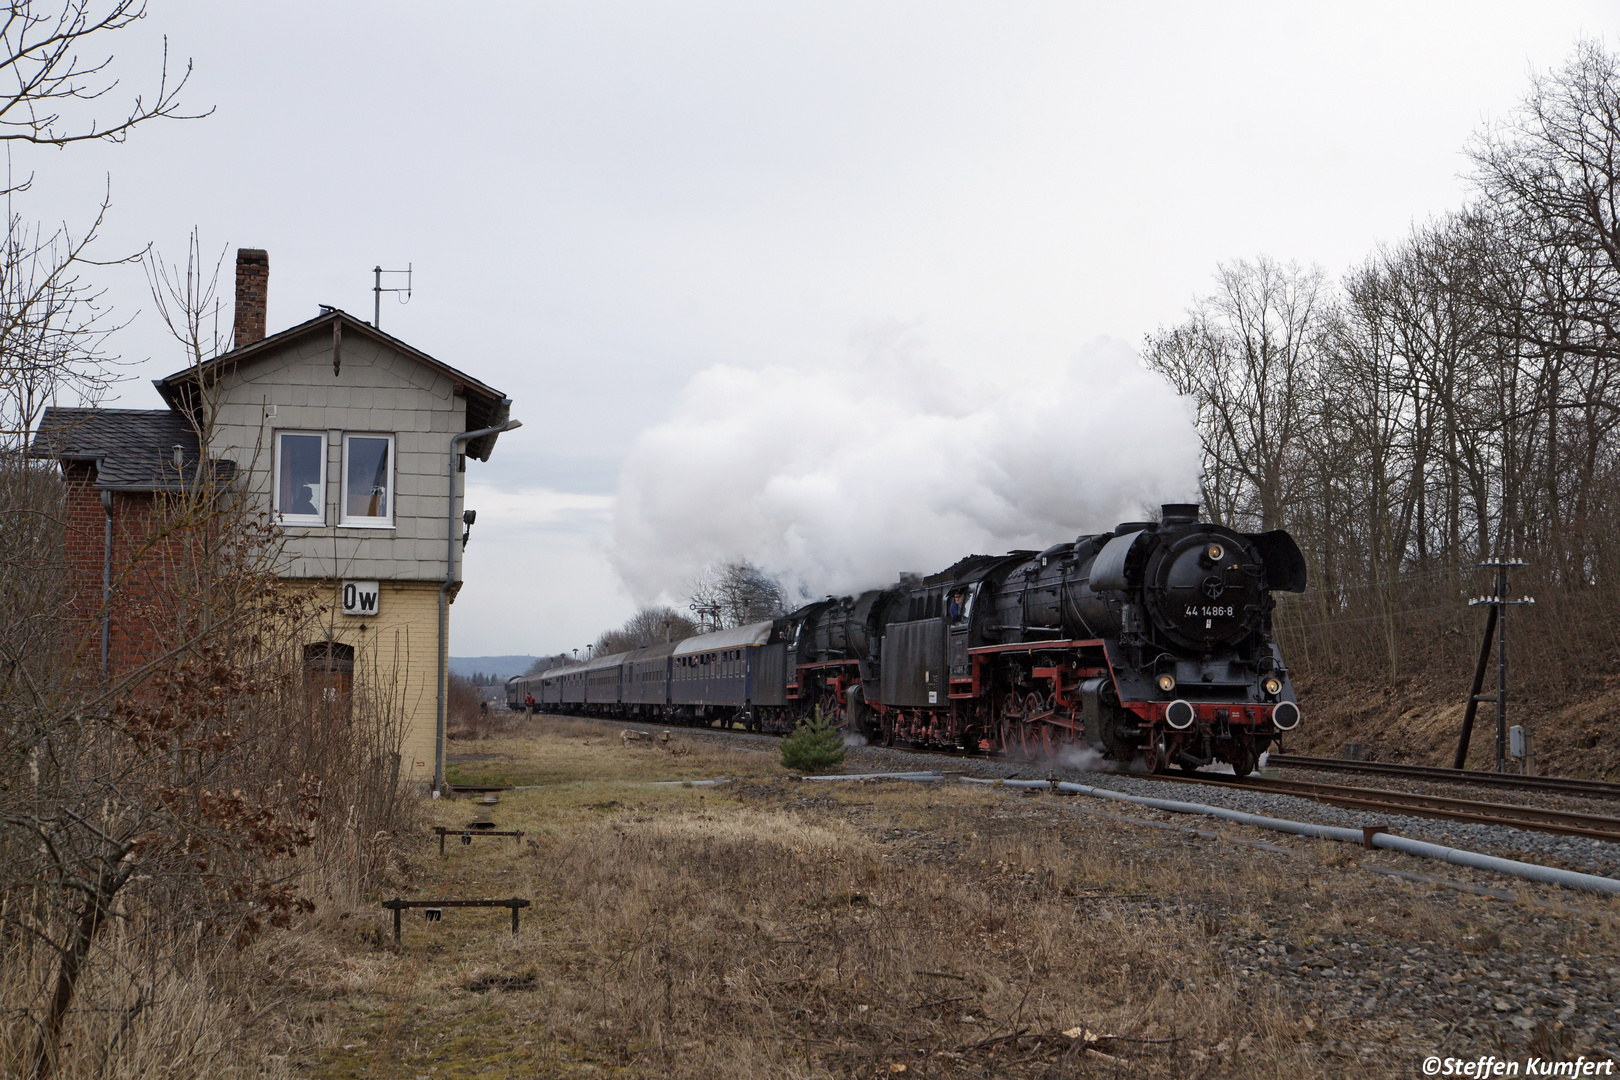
(1150, 644)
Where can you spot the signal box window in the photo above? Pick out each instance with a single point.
(300, 483)
(368, 480)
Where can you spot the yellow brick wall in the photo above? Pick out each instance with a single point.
(393, 659)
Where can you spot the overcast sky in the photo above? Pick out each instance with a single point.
(603, 200)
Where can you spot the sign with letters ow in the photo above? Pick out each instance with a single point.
(360, 597)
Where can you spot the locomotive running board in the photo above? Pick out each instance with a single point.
(1035, 646)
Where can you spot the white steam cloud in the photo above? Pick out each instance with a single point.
(1083, 759)
(837, 478)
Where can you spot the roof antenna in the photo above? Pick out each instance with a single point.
(377, 290)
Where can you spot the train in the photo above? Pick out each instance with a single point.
(1150, 646)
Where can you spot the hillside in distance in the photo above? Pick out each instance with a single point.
(499, 667)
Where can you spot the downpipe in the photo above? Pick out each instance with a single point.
(106, 586)
(456, 443)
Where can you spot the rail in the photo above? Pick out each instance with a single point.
(1602, 789)
(1535, 818)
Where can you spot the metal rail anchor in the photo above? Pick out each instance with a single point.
(1495, 623)
(396, 905)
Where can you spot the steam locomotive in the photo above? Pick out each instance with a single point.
(1150, 644)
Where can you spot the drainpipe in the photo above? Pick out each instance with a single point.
(456, 443)
(106, 587)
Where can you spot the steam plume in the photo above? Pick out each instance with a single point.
(837, 478)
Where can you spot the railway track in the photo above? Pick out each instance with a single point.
(1378, 800)
(1602, 789)
(1536, 818)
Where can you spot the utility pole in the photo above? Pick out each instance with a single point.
(1495, 625)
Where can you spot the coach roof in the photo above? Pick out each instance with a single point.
(740, 637)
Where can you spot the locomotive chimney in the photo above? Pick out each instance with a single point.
(252, 289)
(1179, 513)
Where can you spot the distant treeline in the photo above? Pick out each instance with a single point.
(1453, 399)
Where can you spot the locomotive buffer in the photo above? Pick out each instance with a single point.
(1495, 625)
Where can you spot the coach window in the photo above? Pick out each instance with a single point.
(300, 482)
(368, 480)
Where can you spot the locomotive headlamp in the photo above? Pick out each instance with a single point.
(1167, 682)
(1215, 552)
(1273, 685)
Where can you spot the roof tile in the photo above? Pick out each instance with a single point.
(133, 448)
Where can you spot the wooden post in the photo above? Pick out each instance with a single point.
(1460, 761)
(1495, 626)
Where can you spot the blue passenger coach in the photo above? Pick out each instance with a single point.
(718, 670)
(646, 679)
(711, 676)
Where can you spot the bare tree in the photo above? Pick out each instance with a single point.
(60, 79)
(1249, 356)
(648, 626)
(739, 592)
(1455, 397)
(58, 70)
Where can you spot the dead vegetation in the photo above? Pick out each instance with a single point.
(776, 928)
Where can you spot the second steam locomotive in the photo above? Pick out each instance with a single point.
(1149, 644)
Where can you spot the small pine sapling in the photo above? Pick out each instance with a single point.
(814, 745)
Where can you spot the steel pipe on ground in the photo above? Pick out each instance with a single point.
(687, 783)
(1549, 875)
(925, 776)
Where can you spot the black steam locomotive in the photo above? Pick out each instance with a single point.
(1151, 643)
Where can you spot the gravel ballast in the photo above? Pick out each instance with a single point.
(1569, 852)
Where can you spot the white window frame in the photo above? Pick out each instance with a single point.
(344, 519)
(275, 482)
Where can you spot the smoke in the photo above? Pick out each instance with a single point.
(1083, 759)
(853, 738)
(836, 478)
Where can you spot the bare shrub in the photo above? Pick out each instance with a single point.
(207, 788)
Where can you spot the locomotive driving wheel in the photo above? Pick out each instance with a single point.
(1154, 755)
(1033, 732)
(1009, 725)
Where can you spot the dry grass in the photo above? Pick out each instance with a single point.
(138, 1016)
(675, 937)
(554, 750)
(775, 928)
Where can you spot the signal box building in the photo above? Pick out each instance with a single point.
(344, 435)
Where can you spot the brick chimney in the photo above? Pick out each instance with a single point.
(252, 289)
